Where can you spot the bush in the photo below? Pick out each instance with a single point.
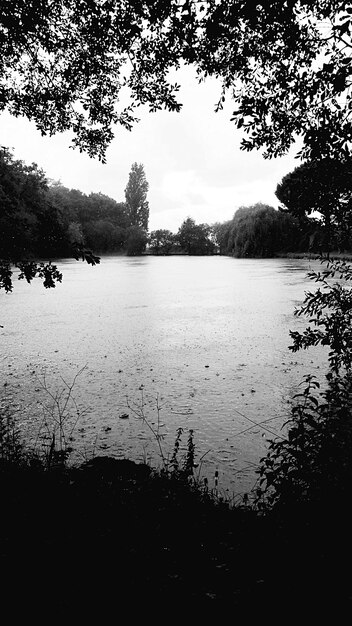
(312, 463)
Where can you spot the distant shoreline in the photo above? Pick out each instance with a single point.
(309, 255)
(284, 255)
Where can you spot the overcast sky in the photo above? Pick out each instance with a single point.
(191, 159)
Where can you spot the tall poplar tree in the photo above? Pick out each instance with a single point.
(137, 206)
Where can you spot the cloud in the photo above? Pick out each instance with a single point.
(187, 193)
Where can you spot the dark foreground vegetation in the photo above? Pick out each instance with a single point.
(110, 534)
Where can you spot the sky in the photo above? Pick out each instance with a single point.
(192, 159)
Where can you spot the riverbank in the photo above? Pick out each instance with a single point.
(110, 536)
(310, 255)
(282, 255)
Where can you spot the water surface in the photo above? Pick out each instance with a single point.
(205, 338)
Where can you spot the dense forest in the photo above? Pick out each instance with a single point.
(44, 219)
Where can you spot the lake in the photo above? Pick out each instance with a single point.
(186, 342)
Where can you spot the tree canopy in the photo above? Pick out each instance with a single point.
(41, 219)
(195, 238)
(87, 65)
(258, 231)
(321, 187)
(162, 241)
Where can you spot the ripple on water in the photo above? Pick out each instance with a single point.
(201, 340)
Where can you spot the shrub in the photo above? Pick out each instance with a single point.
(312, 463)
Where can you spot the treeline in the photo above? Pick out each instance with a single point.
(254, 231)
(191, 238)
(260, 231)
(43, 219)
(315, 216)
(97, 221)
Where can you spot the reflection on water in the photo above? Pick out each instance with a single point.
(196, 342)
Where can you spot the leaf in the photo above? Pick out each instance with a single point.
(344, 28)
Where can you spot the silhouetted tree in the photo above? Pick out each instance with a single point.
(324, 187)
(285, 64)
(33, 225)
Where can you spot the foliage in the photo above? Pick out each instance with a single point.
(98, 206)
(47, 272)
(329, 309)
(220, 235)
(42, 220)
(137, 207)
(195, 238)
(259, 231)
(287, 66)
(323, 186)
(313, 462)
(254, 231)
(104, 236)
(162, 241)
(64, 65)
(186, 469)
(32, 226)
(136, 241)
(69, 66)
(12, 449)
(29, 223)
(95, 220)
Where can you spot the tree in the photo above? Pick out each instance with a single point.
(136, 241)
(287, 65)
(74, 233)
(99, 206)
(98, 221)
(23, 204)
(104, 236)
(323, 187)
(260, 231)
(32, 225)
(104, 222)
(195, 238)
(65, 63)
(220, 234)
(161, 241)
(137, 207)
